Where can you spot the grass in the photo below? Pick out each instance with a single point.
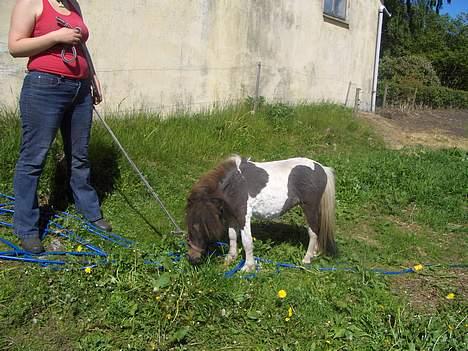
(394, 209)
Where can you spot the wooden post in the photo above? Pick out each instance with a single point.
(257, 87)
(414, 97)
(347, 93)
(384, 102)
(357, 100)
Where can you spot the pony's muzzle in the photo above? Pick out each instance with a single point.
(195, 259)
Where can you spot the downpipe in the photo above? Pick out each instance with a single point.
(382, 9)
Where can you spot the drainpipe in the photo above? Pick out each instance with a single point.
(382, 8)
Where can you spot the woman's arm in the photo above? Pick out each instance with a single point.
(23, 18)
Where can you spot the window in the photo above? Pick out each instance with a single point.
(335, 8)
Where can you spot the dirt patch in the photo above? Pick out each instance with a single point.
(432, 128)
(428, 291)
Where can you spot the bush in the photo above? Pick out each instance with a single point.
(426, 96)
(410, 70)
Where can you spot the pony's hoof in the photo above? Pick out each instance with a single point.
(229, 259)
(248, 268)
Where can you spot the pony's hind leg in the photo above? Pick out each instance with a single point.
(311, 214)
(232, 254)
(312, 249)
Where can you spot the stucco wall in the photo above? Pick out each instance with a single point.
(167, 54)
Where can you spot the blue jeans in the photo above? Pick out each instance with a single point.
(49, 102)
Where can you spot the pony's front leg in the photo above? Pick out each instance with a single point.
(232, 254)
(246, 236)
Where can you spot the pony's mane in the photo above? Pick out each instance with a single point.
(209, 182)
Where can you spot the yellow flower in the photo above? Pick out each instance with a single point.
(418, 267)
(168, 316)
(158, 298)
(87, 270)
(450, 296)
(79, 248)
(282, 294)
(290, 313)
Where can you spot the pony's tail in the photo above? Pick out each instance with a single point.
(326, 236)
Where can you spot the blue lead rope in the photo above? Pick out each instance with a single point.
(53, 228)
(17, 254)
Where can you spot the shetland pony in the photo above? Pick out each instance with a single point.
(239, 189)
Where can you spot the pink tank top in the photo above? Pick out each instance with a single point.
(51, 61)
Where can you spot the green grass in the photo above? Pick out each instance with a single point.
(394, 209)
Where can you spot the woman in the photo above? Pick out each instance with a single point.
(56, 94)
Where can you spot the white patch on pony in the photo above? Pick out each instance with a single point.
(312, 248)
(237, 159)
(232, 254)
(269, 203)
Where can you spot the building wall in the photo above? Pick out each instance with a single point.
(190, 54)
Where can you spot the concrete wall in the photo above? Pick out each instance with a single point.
(169, 54)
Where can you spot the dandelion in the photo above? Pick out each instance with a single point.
(79, 248)
(290, 313)
(450, 296)
(418, 267)
(282, 294)
(158, 298)
(88, 270)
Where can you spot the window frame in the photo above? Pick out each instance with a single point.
(333, 14)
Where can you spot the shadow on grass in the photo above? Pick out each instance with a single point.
(104, 175)
(281, 233)
(139, 213)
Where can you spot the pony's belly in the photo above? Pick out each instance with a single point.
(269, 204)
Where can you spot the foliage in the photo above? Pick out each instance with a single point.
(410, 70)
(424, 96)
(419, 30)
(394, 209)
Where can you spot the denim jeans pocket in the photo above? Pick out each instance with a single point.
(43, 80)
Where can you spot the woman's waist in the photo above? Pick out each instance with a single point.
(76, 67)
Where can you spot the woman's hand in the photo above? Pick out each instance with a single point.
(96, 90)
(67, 36)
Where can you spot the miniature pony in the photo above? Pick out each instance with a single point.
(238, 189)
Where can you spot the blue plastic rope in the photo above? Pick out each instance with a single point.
(18, 254)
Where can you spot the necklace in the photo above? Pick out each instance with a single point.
(60, 3)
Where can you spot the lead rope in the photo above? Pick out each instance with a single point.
(63, 23)
(142, 177)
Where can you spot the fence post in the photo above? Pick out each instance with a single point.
(257, 87)
(384, 102)
(357, 100)
(414, 97)
(347, 93)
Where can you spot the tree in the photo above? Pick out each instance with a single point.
(435, 5)
(440, 39)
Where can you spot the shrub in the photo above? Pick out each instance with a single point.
(426, 96)
(411, 70)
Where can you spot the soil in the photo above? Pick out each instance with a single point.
(431, 128)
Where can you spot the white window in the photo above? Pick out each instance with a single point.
(335, 8)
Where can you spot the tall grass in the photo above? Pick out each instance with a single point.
(394, 208)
